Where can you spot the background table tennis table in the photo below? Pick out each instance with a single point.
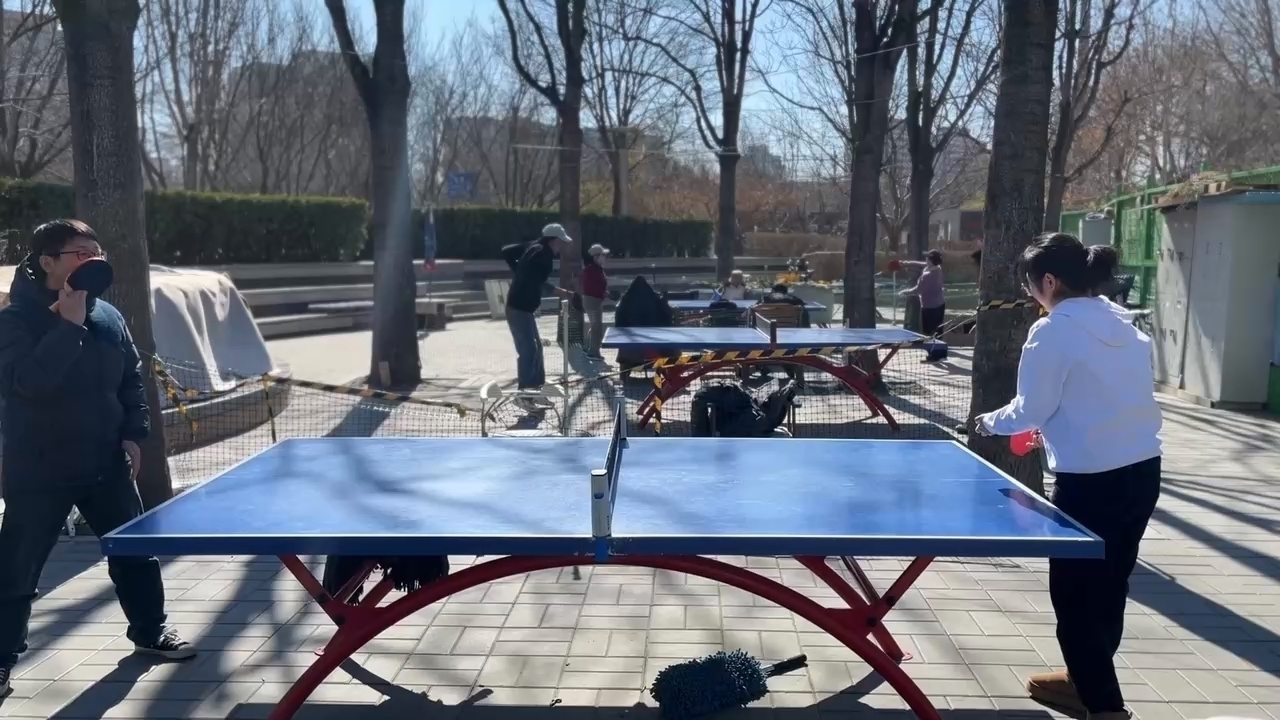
(681, 355)
(702, 306)
(541, 503)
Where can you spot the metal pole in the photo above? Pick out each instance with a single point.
(564, 371)
(894, 321)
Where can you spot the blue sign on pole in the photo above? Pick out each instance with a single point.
(429, 240)
(460, 185)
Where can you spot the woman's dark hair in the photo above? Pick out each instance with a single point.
(1081, 270)
(934, 257)
(976, 257)
(1102, 262)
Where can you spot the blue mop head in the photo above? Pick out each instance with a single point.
(716, 682)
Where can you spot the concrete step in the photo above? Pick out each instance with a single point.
(464, 307)
(268, 275)
(311, 323)
(425, 306)
(285, 298)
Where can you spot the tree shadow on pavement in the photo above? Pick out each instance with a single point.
(1199, 614)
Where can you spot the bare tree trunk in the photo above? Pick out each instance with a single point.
(860, 238)
(1014, 215)
(191, 158)
(617, 161)
(384, 91)
(571, 189)
(1057, 186)
(918, 218)
(395, 361)
(727, 215)
(108, 185)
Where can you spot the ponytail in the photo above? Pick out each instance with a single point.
(1101, 266)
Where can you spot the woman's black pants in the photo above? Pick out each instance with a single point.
(1089, 595)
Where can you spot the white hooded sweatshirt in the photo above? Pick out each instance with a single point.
(1085, 381)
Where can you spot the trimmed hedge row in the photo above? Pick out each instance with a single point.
(188, 228)
(479, 233)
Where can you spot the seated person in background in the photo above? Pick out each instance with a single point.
(735, 289)
(640, 306)
(779, 295)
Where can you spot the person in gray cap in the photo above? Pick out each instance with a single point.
(531, 265)
(595, 289)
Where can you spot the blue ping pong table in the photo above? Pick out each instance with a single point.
(528, 504)
(702, 306)
(681, 355)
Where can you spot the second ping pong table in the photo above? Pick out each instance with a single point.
(528, 504)
(680, 355)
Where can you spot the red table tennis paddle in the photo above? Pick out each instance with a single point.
(1023, 442)
(893, 265)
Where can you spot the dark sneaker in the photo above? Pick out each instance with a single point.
(5, 686)
(169, 646)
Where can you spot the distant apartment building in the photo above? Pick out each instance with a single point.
(299, 128)
(513, 160)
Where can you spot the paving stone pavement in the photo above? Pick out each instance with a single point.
(1202, 637)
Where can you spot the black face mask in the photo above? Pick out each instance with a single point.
(93, 276)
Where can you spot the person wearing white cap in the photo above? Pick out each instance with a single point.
(531, 265)
(595, 288)
(736, 288)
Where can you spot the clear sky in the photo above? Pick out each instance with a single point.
(439, 17)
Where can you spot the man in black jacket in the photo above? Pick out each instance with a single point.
(781, 295)
(531, 266)
(74, 413)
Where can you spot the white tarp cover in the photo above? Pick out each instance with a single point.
(203, 327)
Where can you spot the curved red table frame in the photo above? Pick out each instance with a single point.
(677, 377)
(359, 623)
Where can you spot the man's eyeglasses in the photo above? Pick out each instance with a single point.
(82, 255)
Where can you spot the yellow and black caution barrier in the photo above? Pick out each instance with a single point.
(179, 395)
(364, 392)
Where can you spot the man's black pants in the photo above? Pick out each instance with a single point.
(1089, 595)
(33, 520)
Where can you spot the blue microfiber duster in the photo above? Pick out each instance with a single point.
(716, 682)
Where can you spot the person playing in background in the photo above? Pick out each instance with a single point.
(531, 265)
(734, 290)
(933, 302)
(74, 413)
(780, 295)
(595, 289)
(1085, 382)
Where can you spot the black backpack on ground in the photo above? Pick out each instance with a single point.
(407, 573)
(729, 410)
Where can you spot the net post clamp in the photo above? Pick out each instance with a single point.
(600, 512)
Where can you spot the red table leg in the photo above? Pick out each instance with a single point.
(357, 625)
(678, 378)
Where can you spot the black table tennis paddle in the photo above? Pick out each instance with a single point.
(93, 276)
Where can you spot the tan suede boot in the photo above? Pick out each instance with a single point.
(1055, 688)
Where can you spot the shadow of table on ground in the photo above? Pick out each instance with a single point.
(422, 707)
(495, 704)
